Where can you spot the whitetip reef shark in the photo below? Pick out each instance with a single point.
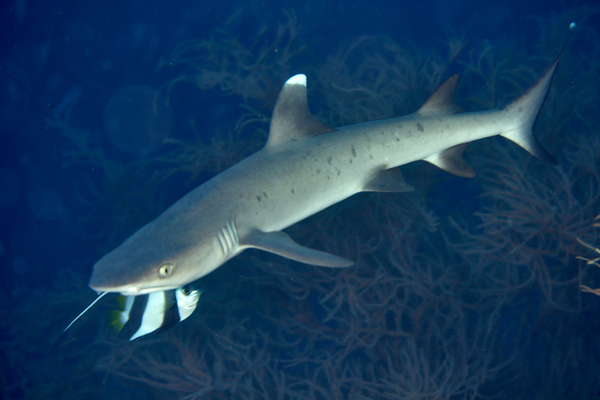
(304, 168)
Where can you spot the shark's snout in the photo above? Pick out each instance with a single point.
(111, 276)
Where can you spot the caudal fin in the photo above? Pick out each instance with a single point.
(525, 109)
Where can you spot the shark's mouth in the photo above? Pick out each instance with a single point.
(134, 291)
(130, 290)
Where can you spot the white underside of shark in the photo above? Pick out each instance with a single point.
(304, 168)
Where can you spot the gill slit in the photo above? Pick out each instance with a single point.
(228, 238)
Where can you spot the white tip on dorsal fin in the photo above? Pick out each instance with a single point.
(298, 79)
(292, 119)
(441, 102)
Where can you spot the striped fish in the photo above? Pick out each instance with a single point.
(154, 312)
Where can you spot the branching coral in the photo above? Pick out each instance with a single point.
(43, 362)
(372, 77)
(591, 261)
(530, 221)
(256, 72)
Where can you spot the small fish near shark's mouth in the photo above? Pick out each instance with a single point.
(157, 311)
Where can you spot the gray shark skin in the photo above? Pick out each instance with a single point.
(304, 168)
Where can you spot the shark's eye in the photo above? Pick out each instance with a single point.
(165, 270)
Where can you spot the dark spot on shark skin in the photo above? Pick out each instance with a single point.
(264, 194)
(258, 198)
(370, 156)
(293, 192)
(439, 119)
(353, 151)
(318, 171)
(350, 162)
(329, 160)
(420, 127)
(339, 172)
(397, 139)
(520, 109)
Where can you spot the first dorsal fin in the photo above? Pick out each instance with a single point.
(292, 119)
(441, 102)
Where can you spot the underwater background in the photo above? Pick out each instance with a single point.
(463, 289)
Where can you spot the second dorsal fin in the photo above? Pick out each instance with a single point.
(441, 102)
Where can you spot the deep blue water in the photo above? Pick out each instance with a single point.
(65, 61)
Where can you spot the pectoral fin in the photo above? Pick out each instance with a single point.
(281, 244)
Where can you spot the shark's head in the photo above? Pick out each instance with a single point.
(149, 262)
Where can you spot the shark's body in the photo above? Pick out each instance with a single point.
(304, 168)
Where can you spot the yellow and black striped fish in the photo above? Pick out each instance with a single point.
(154, 312)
